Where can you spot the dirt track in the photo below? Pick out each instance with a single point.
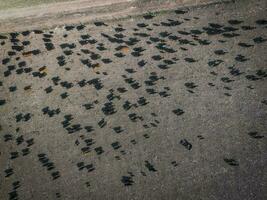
(4, 4)
(57, 14)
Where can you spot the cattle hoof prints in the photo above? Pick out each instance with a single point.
(161, 104)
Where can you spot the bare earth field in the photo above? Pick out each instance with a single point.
(6, 4)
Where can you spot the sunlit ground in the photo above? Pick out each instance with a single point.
(5, 4)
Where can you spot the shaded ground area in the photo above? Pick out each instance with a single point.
(162, 106)
(6, 4)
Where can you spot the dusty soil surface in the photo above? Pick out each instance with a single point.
(51, 15)
(161, 106)
(7, 4)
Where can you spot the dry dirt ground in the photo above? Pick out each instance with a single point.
(49, 15)
(162, 106)
(6, 4)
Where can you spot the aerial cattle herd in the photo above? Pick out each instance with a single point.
(116, 80)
